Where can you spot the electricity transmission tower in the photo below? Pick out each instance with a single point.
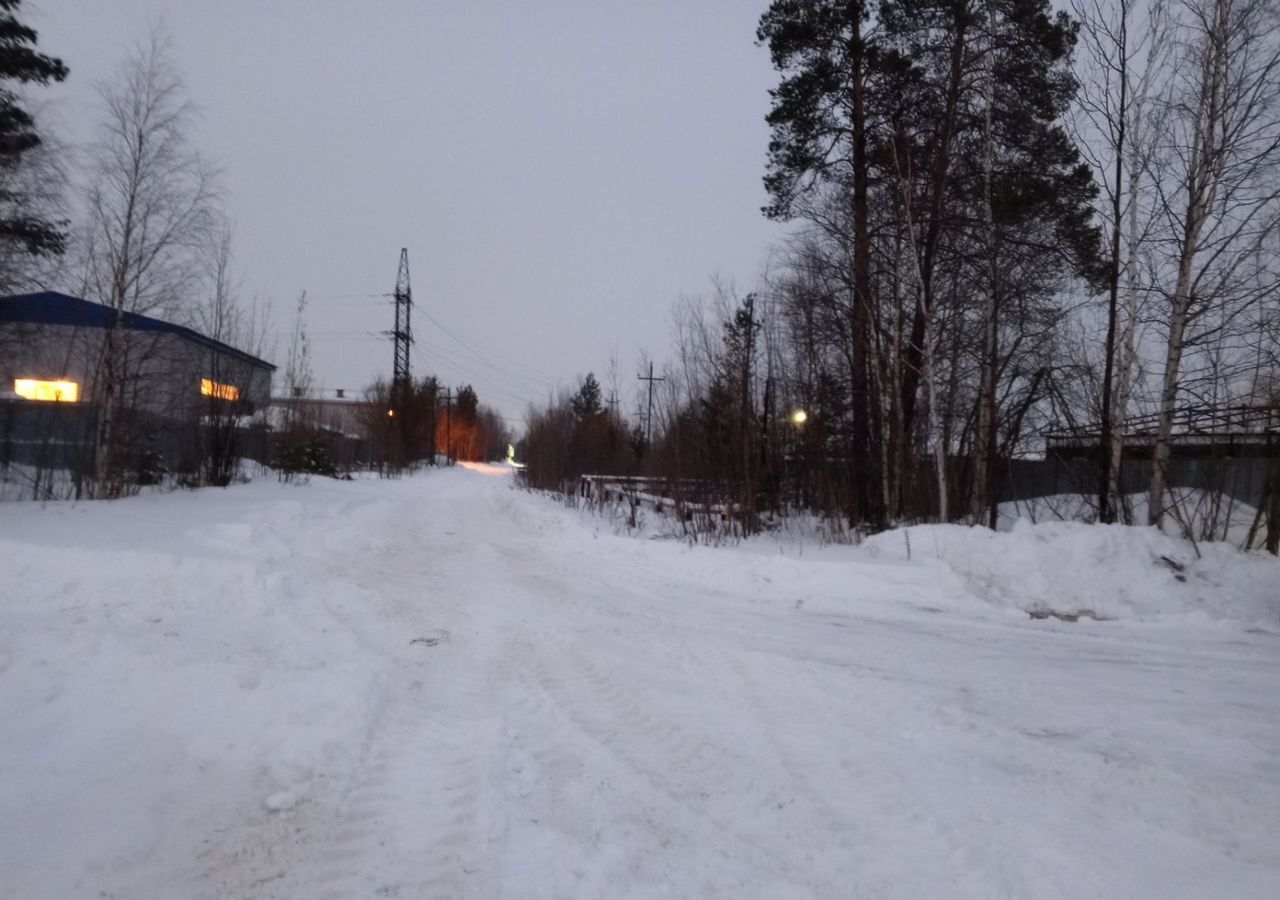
(399, 453)
(402, 336)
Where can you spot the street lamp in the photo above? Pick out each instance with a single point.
(799, 417)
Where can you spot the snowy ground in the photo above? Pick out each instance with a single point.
(444, 688)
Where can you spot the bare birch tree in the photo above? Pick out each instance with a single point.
(150, 200)
(224, 316)
(1217, 174)
(1122, 48)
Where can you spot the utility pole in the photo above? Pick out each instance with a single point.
(748, 482)
(448, 437)
(648, 419)
(612, 403)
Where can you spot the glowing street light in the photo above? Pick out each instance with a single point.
(797, 418)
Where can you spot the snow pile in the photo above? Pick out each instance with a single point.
(1102, 571)
(163, 665)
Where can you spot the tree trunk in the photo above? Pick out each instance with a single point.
(1128, 341)
(1109, 447)
(1160, 449)
(984, 493)
(926, 348)
(865, 499)
(913, 367)
(940, 444)
(748, 481)
(1203, 173)
(1273, 511)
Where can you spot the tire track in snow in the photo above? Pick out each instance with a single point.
(275, 853)
(885, 810)
(602, 786)
(359, 833)
(701, 774)
(721, 791)
(674, 758)
(405, 821)
(654, 745)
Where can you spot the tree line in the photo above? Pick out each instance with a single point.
(1004, 220)
(430, 424)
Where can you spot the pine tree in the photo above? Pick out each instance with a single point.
(940, 58)
(819, 123)
(22, 64)
(586, 404)
(466, 405)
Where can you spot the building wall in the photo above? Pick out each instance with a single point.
(166, 417)
(162, 371)
(342, 416)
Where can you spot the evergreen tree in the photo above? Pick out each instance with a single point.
(926, 150)
(22, 64)
(466, 405)
(820, 139)
(586, 404)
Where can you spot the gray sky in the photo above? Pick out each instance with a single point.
(561, 171)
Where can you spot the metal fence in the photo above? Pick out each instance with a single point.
(54, 436)
(62, 438)
(1242, 478)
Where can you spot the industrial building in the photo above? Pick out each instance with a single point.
(170, 380)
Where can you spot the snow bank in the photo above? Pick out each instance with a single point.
(1040, 561)
(1104, 571)
(165, 660)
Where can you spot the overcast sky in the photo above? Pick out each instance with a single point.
(560, 170)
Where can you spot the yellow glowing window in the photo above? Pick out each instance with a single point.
(211, 388)
(34, 389)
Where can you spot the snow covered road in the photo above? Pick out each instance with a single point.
(443, 688)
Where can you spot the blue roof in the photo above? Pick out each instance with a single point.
(53, 308)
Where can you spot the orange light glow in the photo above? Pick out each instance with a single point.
(211, 388)
(55, 391)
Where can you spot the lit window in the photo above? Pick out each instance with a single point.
(211, 388)
(34, 389)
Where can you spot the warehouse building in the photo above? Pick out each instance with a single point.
(55, 353)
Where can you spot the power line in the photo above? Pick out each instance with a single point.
(542, 382)
(494, 388)
(349, 335)
(523, 383)
(320, 298)
(461, 368)
(470, 348)
(499, 384)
